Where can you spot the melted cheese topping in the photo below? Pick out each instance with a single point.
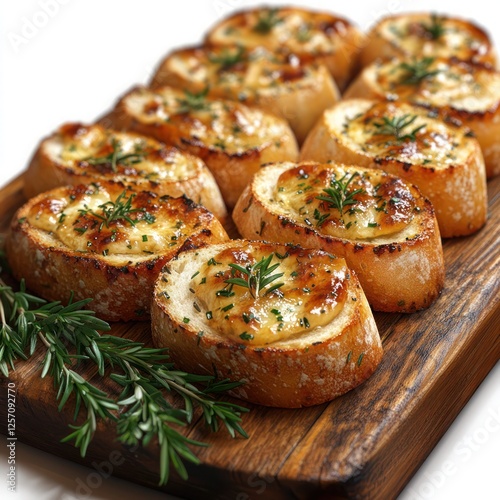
(425, 35)
(424, 141)
(301, 32)
(344, 202)
(104, 154)
(221, 125)
(79, 219)
(241, 74)
(312, 293)
(450, 83)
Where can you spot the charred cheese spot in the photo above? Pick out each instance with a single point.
(345, 203)
(443, 83)
(419, 140)
(104, 154)
(435, 35)
(220, 125)
(312, 293)
(80, 221)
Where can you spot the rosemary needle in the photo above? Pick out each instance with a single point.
(69, 334)
(256, 277)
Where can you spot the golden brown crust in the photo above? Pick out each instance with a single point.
(456, 185)
(232, 139)
(77, 153)
(308, 369)
(401, 272)
(57, 245)
(460, 92)
(278, 84)
(426, 34)
(309, 35)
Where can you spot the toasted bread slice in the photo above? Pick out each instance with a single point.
(297, 92)
(385, 229)
(232, 139)
(304, 337)
(408, 141)
(80, 154)
(309, 35)
(460, 92)
(104, 241)
(426, 34)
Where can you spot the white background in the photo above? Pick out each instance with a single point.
(72, 65)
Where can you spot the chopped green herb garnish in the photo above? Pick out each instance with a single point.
(417, 71)
(268, 19)
(257, 277)
(398, 128)
(338, 196)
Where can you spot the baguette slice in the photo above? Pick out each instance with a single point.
(308, 336)
(281, 85)
(80, 154)
(309, 35)
(65, 240)
(232, 139)
(441, 159)
(427, 35)
(460, 92)
(387, 232)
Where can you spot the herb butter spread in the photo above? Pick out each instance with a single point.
(346, 203)
(435, 35)
(100, 153)
(225, 126)
(115, 223)
(404, 133)
(440, 82)
(261, 297)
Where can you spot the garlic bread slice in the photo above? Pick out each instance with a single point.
(427, 34)
(104, 241)
(410, 142)
(79, 154)
(232, 139)
(460, 92)
(293, 324)
(282, 85)
(309, 35)
(384, 228)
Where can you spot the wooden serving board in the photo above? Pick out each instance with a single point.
(366, 444)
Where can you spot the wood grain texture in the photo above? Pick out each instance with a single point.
(366, 444)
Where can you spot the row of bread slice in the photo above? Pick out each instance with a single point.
(440, 157)
(284, 59)
(234, 140)
(197, 145)
(300, 333)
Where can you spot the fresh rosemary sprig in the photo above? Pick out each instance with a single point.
(144, 373)
(117, 156)
(417, 71)
(435, 29)
(338, 195)
(398, 127)
(228, 58)
(268, 19)
(120, 209)
(257, 277)
(193, 101)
